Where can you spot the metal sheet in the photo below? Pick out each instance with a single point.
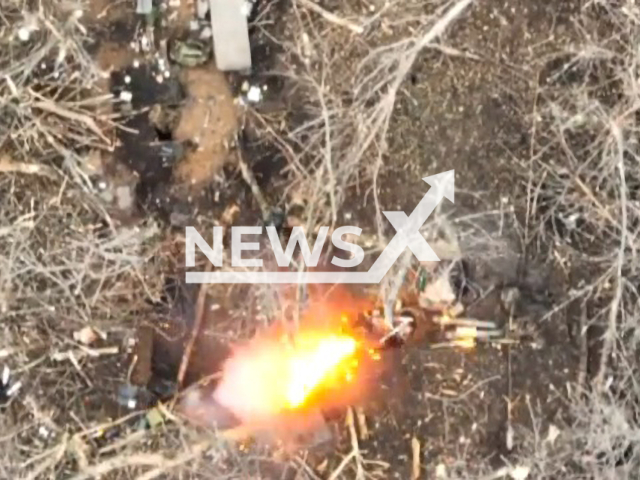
(230, 34)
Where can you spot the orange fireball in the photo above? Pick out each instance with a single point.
(314, 360)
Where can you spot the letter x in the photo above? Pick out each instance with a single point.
(408, 234)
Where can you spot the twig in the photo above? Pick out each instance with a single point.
(610, 335)
(83, 351)
(453, 52)
(194, 452)
(8, 165)
(330, 17)
(250, 178)
(201, 302)
(50, 107)
(415, 458)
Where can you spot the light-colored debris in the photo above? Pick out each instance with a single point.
(125, 197)
(415, 458)
(8, 165)
(520, 472)
(11, 85)
(9, 388)
(126, 96)
(247, 8)
(330, 17)
(362, 423)
(83, 352)
(6, 352)
(230, 214)
(509, 437)
(441, 471)
(552, 434)
(439, 291)
(254, 94)
(86, 336)
(155, 417)
(144, 7)
(24, 34)
(202, 7)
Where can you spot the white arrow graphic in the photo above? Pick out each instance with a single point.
(407, 236)
(408, 228)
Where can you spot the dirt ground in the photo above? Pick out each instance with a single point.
(179, 141)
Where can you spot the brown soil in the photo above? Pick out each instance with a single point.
(209, 119)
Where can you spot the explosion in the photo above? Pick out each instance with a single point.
(273, 376)
(316, 359)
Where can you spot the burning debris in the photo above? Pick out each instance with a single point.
(280, 383)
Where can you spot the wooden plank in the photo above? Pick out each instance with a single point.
(230, 34)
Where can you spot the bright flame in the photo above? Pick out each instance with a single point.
(314, 360)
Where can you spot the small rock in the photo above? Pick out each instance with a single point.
(86, 336)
